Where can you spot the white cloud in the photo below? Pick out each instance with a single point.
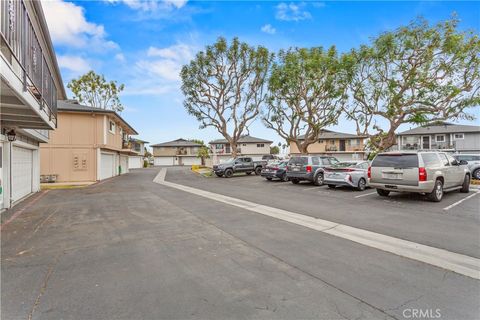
(292, 12)
(268, 29)
(151, 5)
(74, 64)
(68, 26)
(120, 57)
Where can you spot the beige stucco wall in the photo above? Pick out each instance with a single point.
(251, 148)
(318, 147)
(172, 151)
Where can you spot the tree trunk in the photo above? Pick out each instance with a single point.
(233, 146)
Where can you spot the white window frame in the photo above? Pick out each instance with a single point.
(260, 145)
(110, 125)
(455, 138)
(440, 135)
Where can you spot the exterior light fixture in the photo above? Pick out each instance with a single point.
(11, 135)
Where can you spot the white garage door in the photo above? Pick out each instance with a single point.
(188, 161)
(123, 164)
(135, 162)
(163, 161)
(107, 166)
(22, 166)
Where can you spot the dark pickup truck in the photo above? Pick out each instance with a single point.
(239, 164)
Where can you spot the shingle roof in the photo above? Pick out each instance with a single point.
(138, 140)
(74, 106)
(444, 127)
(177, 143)
(329, 134)
(243, 139)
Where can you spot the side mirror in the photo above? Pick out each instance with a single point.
(463, 162)
(455, 163)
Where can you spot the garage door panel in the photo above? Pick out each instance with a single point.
(135, 162)
(163, 161)
(188, 161)
(22, 172)
(107, 166)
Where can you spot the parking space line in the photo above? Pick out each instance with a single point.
(456, 262)
(366, 194)
(460, 201)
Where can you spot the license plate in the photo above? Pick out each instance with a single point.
(393, 176)
(295, 169)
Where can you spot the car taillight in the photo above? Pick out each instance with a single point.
(369, 172)
(422, 174)
(349, 178)
(309, 168)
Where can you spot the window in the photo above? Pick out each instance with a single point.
(260, 145)
(467, 158)
(244, 145)
(430, 159)
(315, 161)
(444, 159)
(247, 160)
(326, 161)
(320, 141)
(218, 146)
(397, 160)
(354, 142)
(440, 138)
(111, 127)
(332, 142)
(458, 136)
(121, 132)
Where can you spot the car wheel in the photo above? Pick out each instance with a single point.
(332, 186)
(383, 193)
(228, 173)
(258, 170)
(361, 184)
(284, 177)
(268, 178)
(318, 180)
(437, 193)
(476, 174)
(248, 173)
(466, 184)
(219, 175)
(295, 181)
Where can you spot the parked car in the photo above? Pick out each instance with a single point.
(238, 164)
(308, 168)
(270, 157)
(275, 170)
(473, 161)
(431, 173)
(352, 174)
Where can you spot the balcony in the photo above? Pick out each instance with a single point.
(25, 63)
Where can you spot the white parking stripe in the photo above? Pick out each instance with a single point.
(366, 194)
(460, 201)
(459, 263)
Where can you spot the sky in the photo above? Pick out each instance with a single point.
(143, 44)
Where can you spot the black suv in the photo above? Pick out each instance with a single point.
(308, 168)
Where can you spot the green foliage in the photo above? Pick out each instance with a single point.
(224, 86)
(203, 151)
(93, 90)
(307, 89)
(417, 74)
(274, 150)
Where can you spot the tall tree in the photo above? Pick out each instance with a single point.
(93, 90)
(203, 151)
(307, 90)
(224, 87)
(418, 74)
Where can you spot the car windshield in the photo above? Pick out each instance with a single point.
(334, 161)
(396, 160)
(299, 161)
(228, 160)
(344, 164)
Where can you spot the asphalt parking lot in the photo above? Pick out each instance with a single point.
(129, 248)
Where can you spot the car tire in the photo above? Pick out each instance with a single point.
(248, 173)
(295, 181)
(284, 178)
(219, 175)
(362, 184)
(383, 193)
(437, 193)
(466, 184)
(332, 186)
(228, 173)
(318, 179)
(476, 174)
(258, 170)
(269, 179)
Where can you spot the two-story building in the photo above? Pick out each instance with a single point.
(444, 136)
(30, 84)
(90, 144)
(178, 152)
(246, 146)
(343, 146)
(138, 146)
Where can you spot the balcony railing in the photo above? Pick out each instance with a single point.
(19, 36)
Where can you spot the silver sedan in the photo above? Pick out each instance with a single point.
(351, 174)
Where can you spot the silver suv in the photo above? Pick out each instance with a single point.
(430, 173)
(473, 161)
